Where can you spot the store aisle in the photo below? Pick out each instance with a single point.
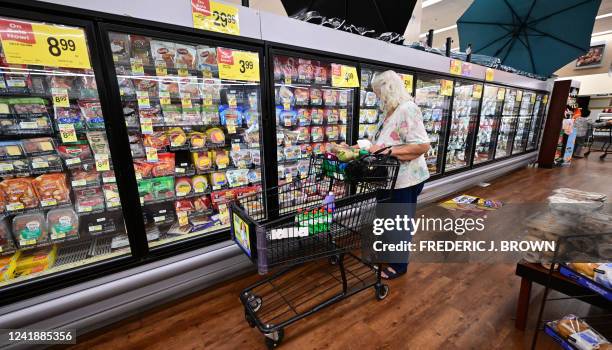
(450, 306)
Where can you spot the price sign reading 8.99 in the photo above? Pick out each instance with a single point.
(44, 44)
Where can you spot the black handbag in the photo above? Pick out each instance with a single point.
(369, 167)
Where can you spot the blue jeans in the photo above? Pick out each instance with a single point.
(406, 195)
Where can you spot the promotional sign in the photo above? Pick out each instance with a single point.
(466, 69)
(344, 76)
(215, 16)
(407, 78)
(238, 65)
(43, 44)
(501, 94)
(477, 92)
(446, 87)
(489, 74)
(455, 67)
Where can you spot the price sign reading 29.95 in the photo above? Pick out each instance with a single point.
(43, 44)
(215, 16)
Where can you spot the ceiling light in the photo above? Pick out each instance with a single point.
(440, 30)
(428, 3)
(602, 33)
(605, 15)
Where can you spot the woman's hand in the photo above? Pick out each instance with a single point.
(375, 148)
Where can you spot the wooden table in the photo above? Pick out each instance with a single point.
(530, 273)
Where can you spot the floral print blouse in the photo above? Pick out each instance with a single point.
(405, 126)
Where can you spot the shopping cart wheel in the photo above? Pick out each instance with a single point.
(254, 302)
(274, 339)
(382, 291)
(249, 319)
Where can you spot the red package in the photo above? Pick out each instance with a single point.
(157, 139)
(82, 178)
(184, 205)
(202, 203)
(142, 168)
(20, 193)
(52, 189)
(164, 165)
(223, 197)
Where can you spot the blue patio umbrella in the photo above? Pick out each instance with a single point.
(537, 36)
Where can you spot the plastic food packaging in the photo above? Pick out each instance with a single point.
(120, 47)
(177, 137)
(111, 195)
(183, 186)
(237, 177)
(69, 115)
(141, 49)
(11, 149)
(316, 97)
(330, 97)
(142, 168)
(603, 275)
(35, 260)
(92, 111)
(84, 178)
(343, 97)
(230, 116)
(578, 333)
(172, 114)
(241, 158)
(222, 159)
(218, 180)
(305, 71)
(199, 183)
(215, 136)
(52, 189)
(75, 154)
(207, 61)
(45, 162)
(28, 105)
(202, 204)
(317, 133)
(316, 116)
(303, 134)
(89, 200)
(20, 194)
(162, 187)
(98, 142)
(63, 223)
(301, 96)
(202, 161)
(30, 229)
(6, 241)
(41, 145)
(163, 52)
(164, 166)
(210, 115)
(332, 116)
(158, 140)
(186, 56)
(197, 139)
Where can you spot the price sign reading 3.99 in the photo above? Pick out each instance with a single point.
(43, 44)
(238, 65)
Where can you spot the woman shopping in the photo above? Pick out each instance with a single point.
(403, 131)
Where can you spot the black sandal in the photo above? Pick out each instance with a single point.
(390, 274)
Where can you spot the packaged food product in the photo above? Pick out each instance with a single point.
(183, 186)
(290, 69)
(120, 47)
(185, 56)
(84, 178)
(147, 84)
(305, 71)
(331, 132)
(44, 163)
(280, 155)
(126, 86)
(578, 333)
(63, 223)
(210, 115)
(28, 105)
(343, 116)
(20, 194)
(189, 85)
(75, 154)
(320, 74)
(184, 206)
(6, 241)
(162, 187)
(362, 131)
(221, 157)
(301, 96)
(218, 180)
(305, 150)
(211, 89)
(316, 116)
(36, 260)
(303, 115)
(199, 183)
(202, 204)
(172, 114)
(371, 99)
(241, 158)
(11, 149)
(317, 133)
(98, 142)
(164, 166)
(254, 176)
(92, 111)
(155, 115)
(287, 118)
(19, 82)
(251, 137)
(30, 229)
(291, 137)
(342, 133)
(140, 48)
(41, 145)
(318, 148)
(111, 195)
(144, 190)
(52, 189)
(331, 115)
(371, 130)
(69, 115)
(255, 157)
(5, 110)
(177, 137)
(158, 139)
(136, 146)
(316, 97)
(191, 115)
(230, 116)
(292, 152)
(89, 200)
(603, 275)
(330, 97)
(207, 61)
(343, 98)
(215, 136)
(163, 51)
(197, 139)
(237, 177)
(202, 160)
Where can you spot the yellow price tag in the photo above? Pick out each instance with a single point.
(146, 126)
(183, 219)
(519, 95)
(545, 99)
(186, 100)
(238, 65)
(215, 16)
(39, 44)
(60, 97)
(477, 92)
(289, 177)
(286, 106)
(164, 98)
(533, 97)
(183, 72)
(137, 67)
(501, 94)
(67, 133)
(288, 80)
(151, 153)
(344, 76)
(455, 67)
(235, 147)
(161, 69)
(446, 87)
(231, 100)
(102, 162)
(407, 78)
(207, 100)
(489, 74)
(143, 99)
(231, 128)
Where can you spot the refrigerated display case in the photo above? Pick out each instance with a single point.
(507, 126)
(59, 199)
(369, 112)
(433, 96)
(466, 102)
(539, 108)
(523, 122)
(311, 111)
(488, 128)
(193, 114)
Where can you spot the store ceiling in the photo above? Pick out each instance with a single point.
(444, 14)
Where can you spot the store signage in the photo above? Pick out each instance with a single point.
(215, 16)
(67, 132)
(344, 76)
(466, 69)
(446, 87)
(238, 65)
(407, 78)
(501, 94)
(43, 44)
(477, 92)
(545, 99)
(102, 162)
(60, 97)
(455, 67)
(519, 96)
(489, 74)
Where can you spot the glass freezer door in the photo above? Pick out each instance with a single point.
(433, 96)
(488, 128)
(311, 113)
(507, 126)
(463, 121)
(524, 122)
(59, 199)
(536, 121)
(193, 115)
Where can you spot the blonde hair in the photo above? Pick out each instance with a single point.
(389, 87)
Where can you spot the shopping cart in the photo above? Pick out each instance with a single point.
(305, 230)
